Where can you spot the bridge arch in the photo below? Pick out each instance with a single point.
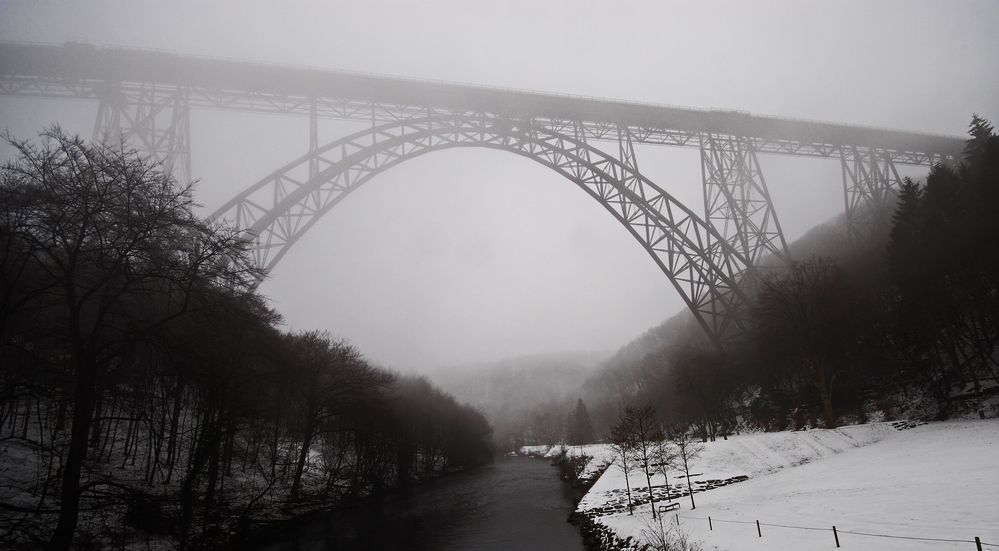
(703, 266)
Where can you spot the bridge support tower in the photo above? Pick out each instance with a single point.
(870, 181)
(736, 199)
(156, 120)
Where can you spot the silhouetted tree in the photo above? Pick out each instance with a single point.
(944, 284)
(703, 384)
(329, 373)
(806, 316)
(108, 230)
(137, 324)
(580, 427)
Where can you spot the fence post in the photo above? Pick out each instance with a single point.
(978, 542)
(709, 524)
(758, 532)
(836, 535)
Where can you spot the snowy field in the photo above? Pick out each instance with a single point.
(939, 480)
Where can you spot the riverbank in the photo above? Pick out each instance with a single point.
(934, 480)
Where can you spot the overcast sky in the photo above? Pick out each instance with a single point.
(469, 255)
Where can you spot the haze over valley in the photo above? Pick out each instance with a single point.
(484, 276)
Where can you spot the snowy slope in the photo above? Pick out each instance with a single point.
(744, 455)
(934, 481)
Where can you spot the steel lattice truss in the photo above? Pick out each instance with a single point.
(155, 120)
(869, 179)
(147, 97)
(706, 271)
(736, 200)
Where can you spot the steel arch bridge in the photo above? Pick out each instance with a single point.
(147, 97)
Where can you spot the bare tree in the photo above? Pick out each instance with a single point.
(330, 372)
(669, 538)
(640, 433)
(687, 450)
(619, 441)
(808, 315)
(666, 456)
(108, 230)
(704, 384)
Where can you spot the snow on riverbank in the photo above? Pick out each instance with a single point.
(936, 481)
(599, 456)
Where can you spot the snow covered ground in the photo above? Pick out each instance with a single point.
(600, 456)
(939, 480)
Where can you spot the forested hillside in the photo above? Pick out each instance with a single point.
(148, 391)
(902, 320)
(526, 399)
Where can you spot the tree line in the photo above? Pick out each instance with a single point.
(147, 387)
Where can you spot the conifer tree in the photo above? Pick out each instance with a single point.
(580, 425)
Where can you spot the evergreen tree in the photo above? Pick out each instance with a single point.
(580, 426)
(944, 275)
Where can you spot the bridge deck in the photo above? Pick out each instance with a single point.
(52, 70)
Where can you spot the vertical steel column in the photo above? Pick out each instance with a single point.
(630, 179)
(177, 156)
(313, 139)
(155, 120)
(736, 200)
(107, 127)
(869, 181)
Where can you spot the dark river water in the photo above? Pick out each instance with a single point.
(516, 504)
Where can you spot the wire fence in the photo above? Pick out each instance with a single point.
(981, 545)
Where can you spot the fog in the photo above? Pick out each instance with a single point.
(471, 255)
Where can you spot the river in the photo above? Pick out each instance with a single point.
(516, 504)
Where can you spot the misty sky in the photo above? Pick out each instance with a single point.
(468, 255)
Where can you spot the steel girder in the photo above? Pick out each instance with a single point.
(380, 112)
(736, 200)
(155, 120)
(706, 270)
(870, 180)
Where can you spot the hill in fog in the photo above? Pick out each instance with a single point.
(517, 394)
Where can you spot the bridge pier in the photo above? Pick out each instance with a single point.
(869, 182)
(154, 119)
(736, 200)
